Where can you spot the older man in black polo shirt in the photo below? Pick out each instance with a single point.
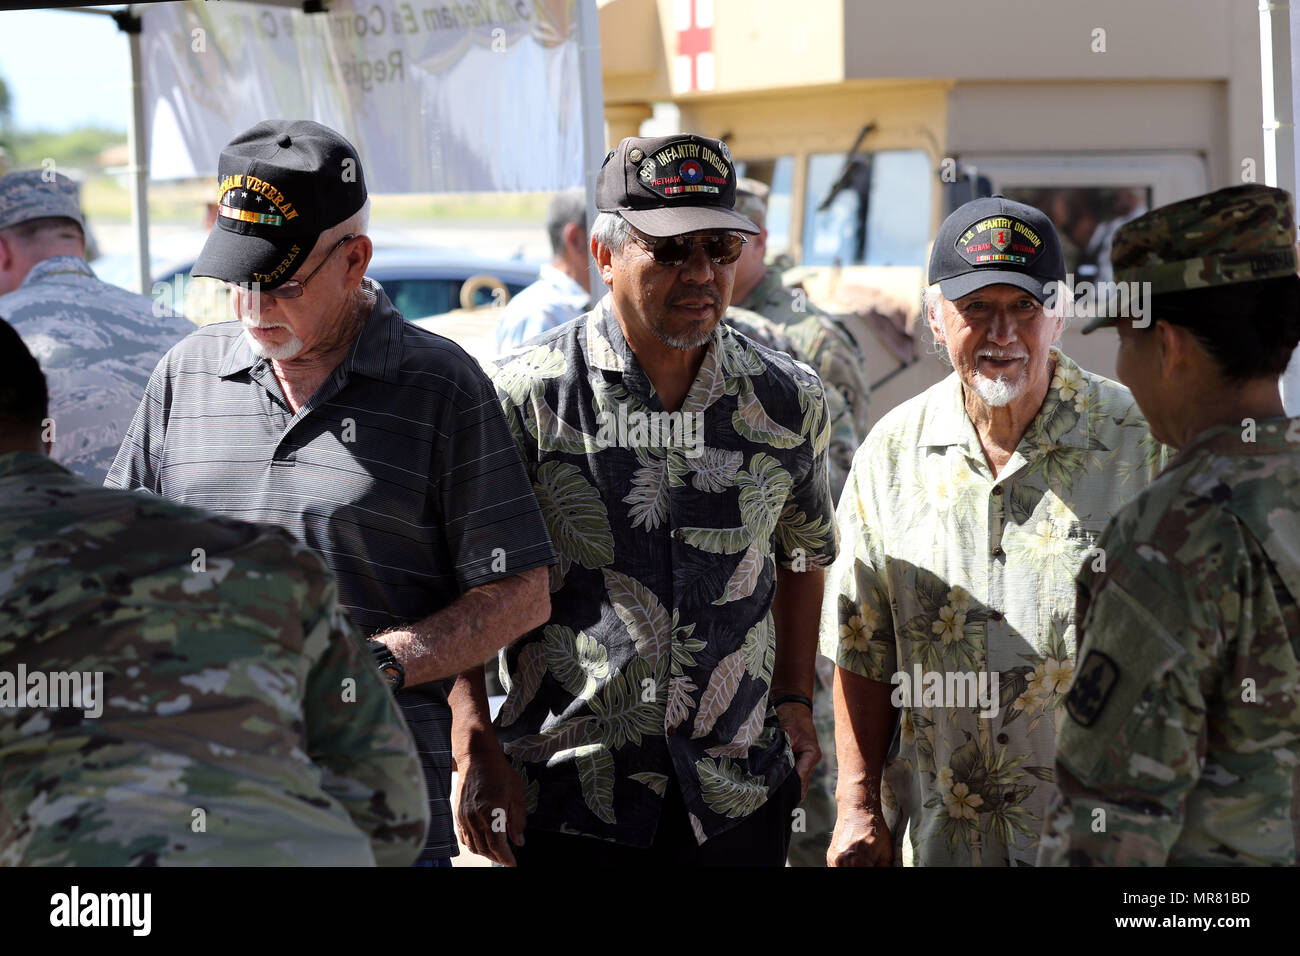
(378, 444)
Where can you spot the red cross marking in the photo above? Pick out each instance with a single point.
(693, 41)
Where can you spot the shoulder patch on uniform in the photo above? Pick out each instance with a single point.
(1091, 688)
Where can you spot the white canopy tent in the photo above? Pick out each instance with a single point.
(1279, 43)
(478, 95)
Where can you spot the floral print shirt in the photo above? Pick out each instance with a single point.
(958, 588)
(655, 666)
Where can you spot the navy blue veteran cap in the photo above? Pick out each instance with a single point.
(995, 241)
(282, 184)
(670, 185)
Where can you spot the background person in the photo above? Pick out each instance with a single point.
(563, 287)
(243, 722)
(824, 343)
(97, 342)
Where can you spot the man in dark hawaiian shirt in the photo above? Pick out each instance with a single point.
(662, 714)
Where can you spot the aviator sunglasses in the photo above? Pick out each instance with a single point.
(722, 249)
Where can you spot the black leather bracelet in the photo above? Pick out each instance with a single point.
(388, 665)
(792, 699)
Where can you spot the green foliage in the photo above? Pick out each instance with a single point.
(76, 148)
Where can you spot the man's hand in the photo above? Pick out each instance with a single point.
(490, 811)
(797, 722)
(860, 839)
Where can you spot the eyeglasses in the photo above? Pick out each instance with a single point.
(722, 249)
(292, 288)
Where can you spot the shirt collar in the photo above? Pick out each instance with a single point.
(1270, 435)
(27, 463)
(376, 351)
(562, 283)
(57, 265)
(949, 424)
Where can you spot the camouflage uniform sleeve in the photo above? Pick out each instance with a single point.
(838, 361)
(849, 375)
(1133, 737)
(843, 442)
(857, 627)
(137, 462)
(358, 738)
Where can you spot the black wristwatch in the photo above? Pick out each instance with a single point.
(388, 665)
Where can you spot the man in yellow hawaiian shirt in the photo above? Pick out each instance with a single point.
(968, 510)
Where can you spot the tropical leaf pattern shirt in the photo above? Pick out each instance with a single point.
(656, 662)
(951, 572)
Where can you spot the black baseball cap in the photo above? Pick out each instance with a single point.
(281, 184)
(995, 241)
(671, 185)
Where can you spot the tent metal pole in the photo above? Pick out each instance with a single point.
(139, 162)
(1275, 81)
(593, 118)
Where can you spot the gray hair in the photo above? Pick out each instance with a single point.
(611, 230)
(566, 207)
(356, 224)
(932, 302)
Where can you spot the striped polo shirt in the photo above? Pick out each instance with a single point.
(400, 472)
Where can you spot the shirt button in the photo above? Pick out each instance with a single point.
(997, 551)
(1003, 738)
(995, 615)
(997, 489)
(679, 535)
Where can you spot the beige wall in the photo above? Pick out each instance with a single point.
(1038, 39)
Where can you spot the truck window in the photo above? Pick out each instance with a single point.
(779, 176)
(1086, 218)
(878, 212)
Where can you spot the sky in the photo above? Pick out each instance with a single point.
(65, 70)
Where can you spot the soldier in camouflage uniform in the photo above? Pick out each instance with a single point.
(97, 342)
(814, 337)
(1183, 730)
(823, 341)
(239, 719)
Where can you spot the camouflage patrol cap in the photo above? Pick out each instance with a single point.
(38, 194)
(1239, 234)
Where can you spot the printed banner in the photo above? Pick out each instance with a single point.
(471, 96)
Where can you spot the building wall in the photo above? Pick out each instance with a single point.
(1178, 83)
